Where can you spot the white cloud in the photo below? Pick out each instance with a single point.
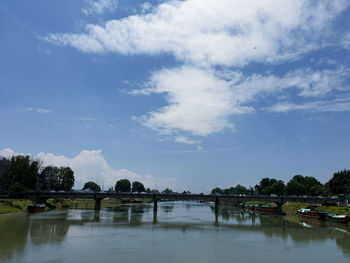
(92, 166)
(346, 41)
(201, 101)
(99, 7)
(184, 139)
(8, 153)
(317, 106)
(39, 110)
(213, 32)
(84, 119)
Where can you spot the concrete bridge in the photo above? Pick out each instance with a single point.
(226, 199)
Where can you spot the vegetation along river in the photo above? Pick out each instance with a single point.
(178, 232)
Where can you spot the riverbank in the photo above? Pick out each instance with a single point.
(8, 206)
(292, 208)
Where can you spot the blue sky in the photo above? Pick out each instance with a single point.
(183, 94)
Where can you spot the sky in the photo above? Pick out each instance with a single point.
(189, 94)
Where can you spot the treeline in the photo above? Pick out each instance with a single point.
(298, 185)
(22, 174)
(125, 186)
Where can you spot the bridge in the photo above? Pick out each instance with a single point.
(226, 199)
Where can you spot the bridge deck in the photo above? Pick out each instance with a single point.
(194, 197)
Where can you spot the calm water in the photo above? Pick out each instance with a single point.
(180, 232)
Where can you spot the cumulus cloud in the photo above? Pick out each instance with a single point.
(8, 153)
(207, 36)
(92, 166)
(214, 32)
(201, 101)
(99, 7)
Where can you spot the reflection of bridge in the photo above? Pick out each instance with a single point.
(278, 200)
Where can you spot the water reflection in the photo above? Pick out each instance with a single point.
(19, 232)
(13, 238)
(45, 230)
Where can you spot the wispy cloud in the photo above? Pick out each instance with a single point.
(84, 119)
(199, 149)
(201, 101)
(186, 140)
(98, 7)
(320, 106)
(346, 41)
(38, 110)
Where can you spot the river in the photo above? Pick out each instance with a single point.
(178, 232)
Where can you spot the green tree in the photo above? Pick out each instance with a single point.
(4, 175)
(138, 187)
(23, 174)
(308, 185)
(167, 191)
(217, 190)
(92, 186)
(54, 178)
(265, 186)
(66, 178)
(340, 182)
(278, 188)
(49, 179)
(123, 185)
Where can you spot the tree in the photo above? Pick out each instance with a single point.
(308, 185)
(340, 182)
(23, 174)
(123, 185)
(54, 178)
(216, 190)
(167, 191)
(278, 187)
(4, 175)
(49, 179)
(92, 186)
(138, 187)
(66, 178)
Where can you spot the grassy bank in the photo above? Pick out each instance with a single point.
(13, 205)
(18, 205)
(292, 208)
(82, 203)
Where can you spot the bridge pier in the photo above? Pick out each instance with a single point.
(279, 208)
(98, 204)
(155, 217)
(216, 206)
(155, 205)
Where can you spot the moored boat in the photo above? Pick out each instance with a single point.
(36, 208)
(126, 201)
(307, 212)
(266, 209)
(338, 218)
